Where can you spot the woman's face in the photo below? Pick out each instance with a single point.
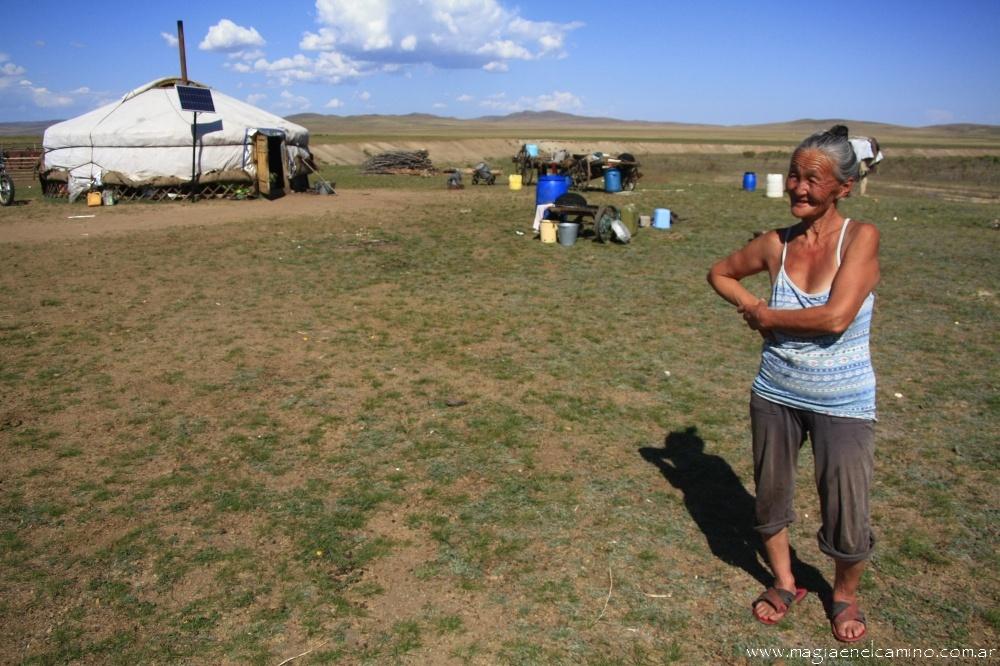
(811, 185)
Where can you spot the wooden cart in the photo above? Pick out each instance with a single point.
(584, 168)
(528, 165)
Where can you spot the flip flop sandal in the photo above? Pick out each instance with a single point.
(842, 612)
(778, 599)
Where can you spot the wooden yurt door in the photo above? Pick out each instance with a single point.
(263, 170)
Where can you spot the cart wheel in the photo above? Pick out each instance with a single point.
(527, 174)
(630, 180)
(626, 157)
(602, 223)
(6, 190)
(475, 177)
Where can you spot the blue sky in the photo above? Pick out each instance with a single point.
(729, 63)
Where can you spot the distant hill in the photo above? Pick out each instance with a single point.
(557, 125)
(33, 128)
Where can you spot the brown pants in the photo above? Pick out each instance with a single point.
(843, 449)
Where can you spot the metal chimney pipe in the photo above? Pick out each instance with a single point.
(180, 46)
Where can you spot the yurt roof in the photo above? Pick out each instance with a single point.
(151, 116)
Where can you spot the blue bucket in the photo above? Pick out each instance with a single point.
(661, 218)
(612, 180)
(749, 181)
(549, 189)
(531, 149)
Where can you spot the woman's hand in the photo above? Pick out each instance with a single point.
(752, 315)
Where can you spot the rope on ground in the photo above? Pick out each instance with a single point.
(611, 586)
(290, 659)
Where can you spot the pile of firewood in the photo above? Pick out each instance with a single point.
(401, 162)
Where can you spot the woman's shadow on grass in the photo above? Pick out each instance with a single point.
(722, 507)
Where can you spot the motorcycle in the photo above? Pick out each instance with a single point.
(482, 173)
(6, 184)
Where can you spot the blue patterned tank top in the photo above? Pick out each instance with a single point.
(828, 374)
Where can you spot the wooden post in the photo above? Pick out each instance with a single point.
(180, 46)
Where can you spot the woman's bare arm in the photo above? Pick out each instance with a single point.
(753, 258)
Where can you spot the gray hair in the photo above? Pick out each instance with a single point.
(834, 144)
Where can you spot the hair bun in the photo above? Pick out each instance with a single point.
(839, 130)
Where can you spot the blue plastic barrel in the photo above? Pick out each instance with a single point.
(549, 188)
(749, 181)
(612, 180)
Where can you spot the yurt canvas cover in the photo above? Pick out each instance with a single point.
(145, 140)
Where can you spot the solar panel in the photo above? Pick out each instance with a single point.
(195, 99)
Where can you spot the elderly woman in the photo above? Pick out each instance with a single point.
(815, 375)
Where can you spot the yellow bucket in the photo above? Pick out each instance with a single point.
(548, 231)
(514, 180)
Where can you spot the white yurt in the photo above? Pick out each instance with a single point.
(143, 146)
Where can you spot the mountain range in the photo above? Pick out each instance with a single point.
(559, 124)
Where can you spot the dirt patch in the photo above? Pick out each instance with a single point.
(57, 222)
(466, 151)
(946, 193)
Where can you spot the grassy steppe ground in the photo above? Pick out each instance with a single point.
(430, 439)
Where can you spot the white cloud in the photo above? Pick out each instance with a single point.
(335, 67)
(464, 98)
(549, 37)
(325, 40)
(45, 98)
(20, 92)
(452, 34)
(333, 104)
(292, 102)
(328, 67)
(256, 98)
(505, 50)
(228, 36)
(364, 95)
(352, 40)
(299, 61)
(555, 101)
(171, 40)
(40, 43)
(440, 105)
(252, 54)
(9, 71)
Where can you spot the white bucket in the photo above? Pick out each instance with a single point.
(775, 185)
